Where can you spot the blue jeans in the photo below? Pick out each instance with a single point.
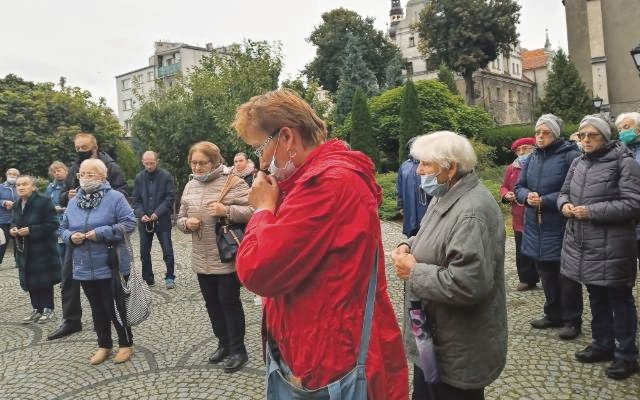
(614, 318)
(146, 239)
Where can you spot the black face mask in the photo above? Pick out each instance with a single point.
(84, 155)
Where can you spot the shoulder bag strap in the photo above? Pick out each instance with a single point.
(368, 312)
(227, 186)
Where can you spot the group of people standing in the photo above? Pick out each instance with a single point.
(575, 208)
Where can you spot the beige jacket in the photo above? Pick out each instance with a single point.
(195, 198)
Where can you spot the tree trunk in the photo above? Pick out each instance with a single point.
(468, 83)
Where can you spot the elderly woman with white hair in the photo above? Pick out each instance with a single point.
(454, 273)
(601, 199)
(538, 188)
(97, 216)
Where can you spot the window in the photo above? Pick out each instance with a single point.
(126, 84)
(127, 124)
(412, 41)
(510, 96)
(127, 104)
(498, 94)
(498, 63)
(517, 69)
(409, 67)
(149, 76)
(513, 68)
(519, 97)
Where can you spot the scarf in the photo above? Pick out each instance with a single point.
(91, 200)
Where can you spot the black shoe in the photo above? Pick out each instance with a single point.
(591, 354)
(150, 281)
(235, 362)
(220, 354)
(545, 323)
(569, 332)
(622, 369)
(66, 329)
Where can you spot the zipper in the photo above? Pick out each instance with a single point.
(539, 211)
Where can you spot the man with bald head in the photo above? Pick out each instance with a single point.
(154, 192)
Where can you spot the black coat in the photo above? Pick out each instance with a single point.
(154, 193)
(601, 250)
(115, 177)
(37, 255)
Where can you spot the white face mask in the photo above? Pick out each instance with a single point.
(285, 172)
(11, 181)
(90, 185)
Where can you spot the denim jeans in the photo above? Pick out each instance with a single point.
(614, 318)
(100, 297)
(563, 296)
(525, 266)
(221, 294)
(41, 298)
(146, 239)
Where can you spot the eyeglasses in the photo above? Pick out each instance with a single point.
(543, 133)
(90, 175)
(195, 164)
(258, 150)
(589, 135)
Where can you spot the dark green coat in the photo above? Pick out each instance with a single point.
(38, 263)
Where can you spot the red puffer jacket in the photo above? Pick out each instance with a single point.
(511, 175)
(312, 261)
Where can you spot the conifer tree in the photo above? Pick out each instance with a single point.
(410, 118)
(362, 136)
(446, 76)
(565, 94)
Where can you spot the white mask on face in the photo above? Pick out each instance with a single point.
(285, 172)
(90, 185)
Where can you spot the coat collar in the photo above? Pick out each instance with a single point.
(444, 203)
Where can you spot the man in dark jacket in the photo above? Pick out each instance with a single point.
(412, 200)
(154, 193)
(8, 197)
(86, 147)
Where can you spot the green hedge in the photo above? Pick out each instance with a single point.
(502, 137)
(387, 209)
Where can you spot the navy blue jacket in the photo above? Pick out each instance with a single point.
(411, 199)
(7, 192)
(154, 193)
(544, 173)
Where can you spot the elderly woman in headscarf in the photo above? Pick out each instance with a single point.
(454, 273)
(601, 199)
(538, 188)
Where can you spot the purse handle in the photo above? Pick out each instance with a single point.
(227, 186)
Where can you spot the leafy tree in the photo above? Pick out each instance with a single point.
(446, 76)
(203, 105)
(38, 123)
(309, 92)
(353, 75)
(330, 39)
(362, 137)
(565, 93)
(410, 124)
(466, 35)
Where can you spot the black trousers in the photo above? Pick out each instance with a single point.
(9, 238)
(70, 291)
(527, 272)
(221, 295)
(100, 297)
(563, 296)
(440, 390)
(41, 298)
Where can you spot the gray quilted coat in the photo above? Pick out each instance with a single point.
(459, 276)
(601, 250)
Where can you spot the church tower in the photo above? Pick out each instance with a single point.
(396, 14)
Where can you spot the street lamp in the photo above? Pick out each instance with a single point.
(597, 103)
(635, 53)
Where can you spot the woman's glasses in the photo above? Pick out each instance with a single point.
(89, 175)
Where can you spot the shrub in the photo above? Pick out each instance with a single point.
(387, 210)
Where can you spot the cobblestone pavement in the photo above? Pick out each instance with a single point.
(173, 345)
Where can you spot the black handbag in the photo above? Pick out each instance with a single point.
(228, 234)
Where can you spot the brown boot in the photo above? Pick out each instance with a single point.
(100, 356)
(123, 354)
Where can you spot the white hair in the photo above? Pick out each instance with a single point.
(95, 164)
(443, 148)
(634, 116)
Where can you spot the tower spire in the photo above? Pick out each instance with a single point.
(547, 42)
(395, 15)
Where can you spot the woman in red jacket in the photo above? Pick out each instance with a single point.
(526, 269)
(310, 246)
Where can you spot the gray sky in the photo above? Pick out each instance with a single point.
(90, 42)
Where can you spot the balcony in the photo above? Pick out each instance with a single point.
(169, 70)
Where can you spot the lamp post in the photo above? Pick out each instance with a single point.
(597, 103)
(635, 54)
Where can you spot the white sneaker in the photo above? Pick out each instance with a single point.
(33, 317)
(47, 315)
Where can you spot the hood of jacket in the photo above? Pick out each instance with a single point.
(334, 154)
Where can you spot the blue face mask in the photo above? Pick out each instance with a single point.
(429, 183)
(628, 136)
(523, 159)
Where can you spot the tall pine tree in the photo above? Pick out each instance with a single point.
(410, 118)
(565, 95)
(362, 137)
(354, 74)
